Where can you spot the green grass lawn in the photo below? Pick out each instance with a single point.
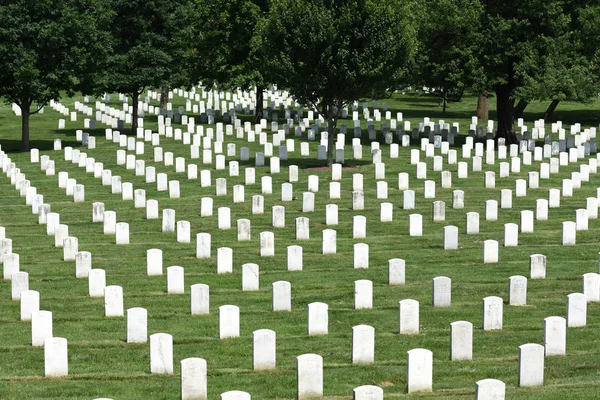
(102, 364)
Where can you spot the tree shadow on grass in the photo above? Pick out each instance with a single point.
(584, 117)
(67, 137)
(308, 163)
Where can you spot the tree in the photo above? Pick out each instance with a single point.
(566, 71)
(519, 39)
(522, 38)
(46, 47)
(331, 52)
(449, 36)
(483, 105)
(224, 54)
(147, 49)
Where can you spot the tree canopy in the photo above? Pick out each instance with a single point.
(47, 47)
(449, 33)
(223, 50)
(521, 39)
(331, 52)
(147, 48)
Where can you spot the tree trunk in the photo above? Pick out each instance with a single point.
(483, 106)
(330, 143)
(519, 108)
(134, 114)
(444, 102)
(260, 91)
(331, 114)
(25, 113)
(164, 97)
(505, 114)
(550, 110)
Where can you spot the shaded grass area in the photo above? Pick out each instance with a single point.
(101, 364)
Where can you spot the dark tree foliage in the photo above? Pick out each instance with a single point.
(224, 51)
(47, 47)
(330, 52)
(148, 49)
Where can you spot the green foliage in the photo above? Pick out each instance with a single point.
(586, 38)
(337, 51)
(46, 47)
(526, 52)
(518, 35)
(147, 46)
(222, 49)
(449, 33)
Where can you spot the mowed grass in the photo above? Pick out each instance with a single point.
(102, 364)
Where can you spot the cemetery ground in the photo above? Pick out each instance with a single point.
(103, 364)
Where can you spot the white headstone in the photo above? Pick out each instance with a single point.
(450, 237)
(267, 244)
(154, 262)
(183, 231)
(361, 255)
(359, 227)
(329, 243)
(591, 286)
(264, 350)
(363, 294)
(537, 266)
(175, 280)
(576, 310)
(492, 313)
(137, 325)
(122, 233)
(200, 299)
(415, 225)
(168, 220)
(419, 373)
(224, 218)
(56, 361)
(302, 228)
(294, 258)
(490, 251)
(409, 317)
(11, 264)
(193, 379)
(363, 344)
(282, 296)
(396, 271)
(461, 341)
(490, 389)
(517, 290)
(318, 320)
(161, 353)
(203, 242)
(113, 301)
(569, 230)
(97, 282)
(442, 293)
(41, 327)
(250, 277)
(368, 392)
(555, 336)
(30, 303)
(229, 321)
(309, 376)
(531, 365)
(491, 210)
